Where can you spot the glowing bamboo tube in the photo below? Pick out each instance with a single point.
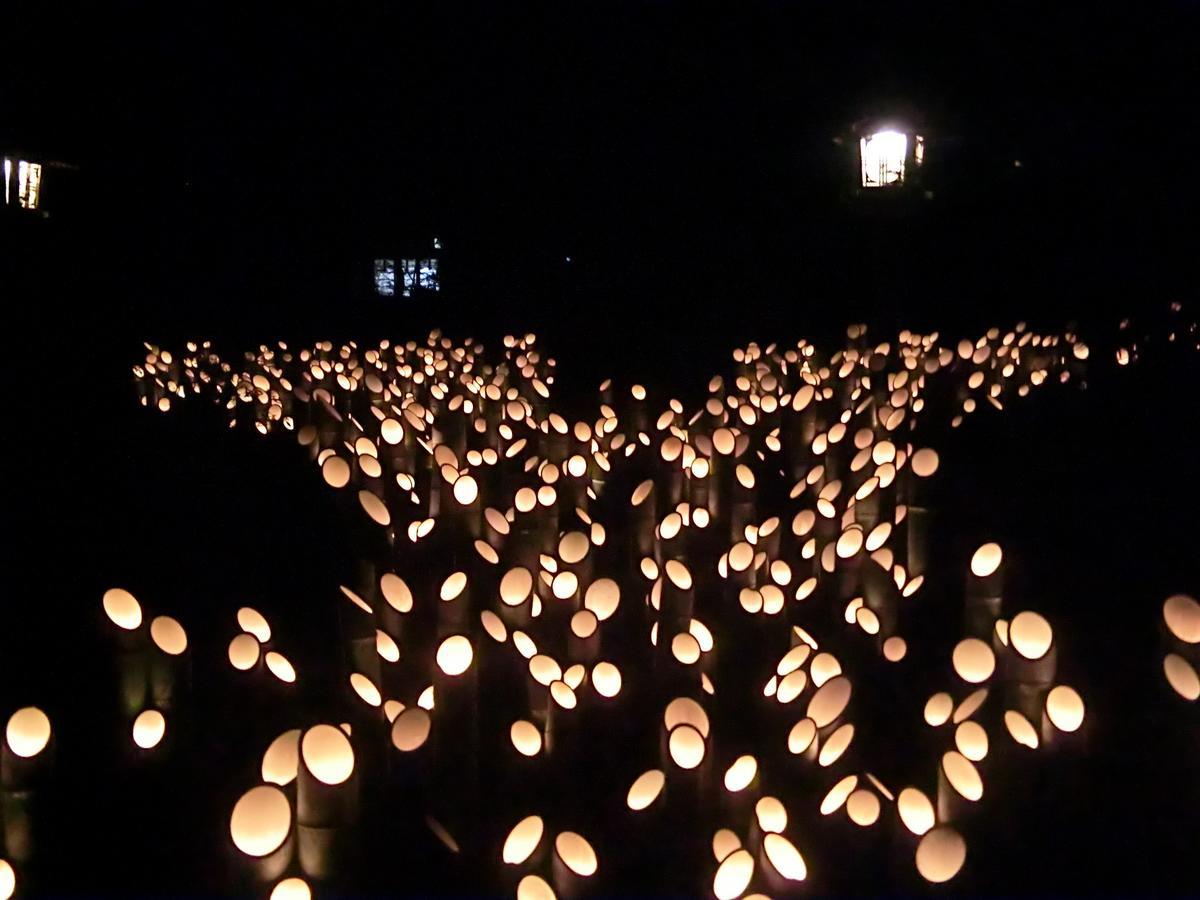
(574, 863)
(1033, 657)
(959, 787)
(260, 827)
(326, 786)
(985, 586)
(27, 749)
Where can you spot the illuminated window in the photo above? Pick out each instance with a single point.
(919, 150)
(883, 156)
(29, 182)
(409, 269)
(7, 179)
(429, 274)
(385, 277)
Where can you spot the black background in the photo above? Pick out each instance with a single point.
(238, 169)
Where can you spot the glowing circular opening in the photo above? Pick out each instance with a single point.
(396, 593)
(986, 560)
(895, 648)
(533, 887)
(733, 875)
(149, 728)
(739, 775)
(916, 810)
(863, 807)
(410, 729)
(941, 854)
(28, 732)
(454, 655)
(784, 857)
(829, 701)
(282, 758)
(686, 746)
(327, 754)
(525, 738)
(645, 789)
(243, 652)
(576, 853)
(1182, 615)
(974, 661)
(522, 840)
(292, 889)
(1030, 635)
(516, 586)
(1181, 676)
(261, 821)
(280, 667)
(607, 679)
(1064, 708)
(253, 622)
(771, 815)
(168, 635)
(837, 795)
(366, 689)
(971, 740)
(836, 745)
(122, 608)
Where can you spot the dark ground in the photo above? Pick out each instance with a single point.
(239, 173)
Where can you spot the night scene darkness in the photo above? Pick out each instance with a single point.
(615, 449)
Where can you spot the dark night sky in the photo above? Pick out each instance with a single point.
(670, 148)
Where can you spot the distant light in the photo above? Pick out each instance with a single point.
(29, 183)
(385, 277)
(883, 155)
(437, 243)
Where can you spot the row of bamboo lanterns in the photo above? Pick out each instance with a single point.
(552, 580)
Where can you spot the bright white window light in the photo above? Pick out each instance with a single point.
(385, 277)
(883, 155)
(29, 183)
(7, 179)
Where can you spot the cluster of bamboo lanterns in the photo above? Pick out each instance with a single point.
(537, 596)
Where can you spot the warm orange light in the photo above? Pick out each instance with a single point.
(261, 821)
(916, 810)
(122, 608)
(292, 889)
(973, 660)
(645, 789)
(986, 560)
(522, 840)
(962, 775)
(28, 732)
(454, 655)
(733, 875)
(410, 729)
(576, 853)
(149, 728)
(1182, 616)
(1030, 635)
(282, 758)
(168, 635)
(1064, 708)
(327, 754)
(243, 651)
(941, 854)
(686, 746)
